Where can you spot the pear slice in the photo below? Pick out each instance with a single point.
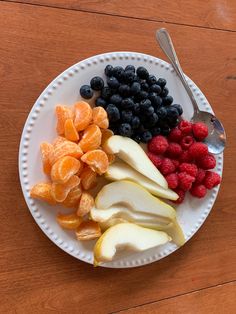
(122, 171)
(126, 235)
(135, 197)
(132, 153)
(117, 214)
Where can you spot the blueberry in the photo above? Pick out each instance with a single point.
(97, 83)
(108, 70)
(161, 82)
(106, 93)
(100, 102)
(179, 108)
(142, 72)
(141, 95)
(156, 89)
(155, 131)
(135, 88)
(173, 122)
(172, 112)
(137, 79)
(167, 101)
(124, 90)
(86, 91)
(130, 68)
(149, 111)
(128, 76)
(118, 72)
(136, 138)
(135, 123)
(164, 92)
(136, 108)
(141, 129)
(145, 104)
(125, 129)
(112, 82)
(126, 115)
(151, 80)
(165, 130)
(113, 113)
(115, 99)
(153, 120)
(144, 86)
(162, 113)
(155, 100)
(127, 103)
(146, 136)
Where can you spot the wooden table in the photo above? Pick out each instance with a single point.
(38, 40)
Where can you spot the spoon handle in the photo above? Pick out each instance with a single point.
(167, 46)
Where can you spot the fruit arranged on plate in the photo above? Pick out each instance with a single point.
(184, 160)
(126, 235)
(138, 104)
(127, 212)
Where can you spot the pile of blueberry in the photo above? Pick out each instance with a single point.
(137, 103)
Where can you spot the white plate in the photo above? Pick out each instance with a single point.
(40, 126)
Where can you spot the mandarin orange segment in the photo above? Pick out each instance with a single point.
(111, 158)
(65, 148)
(46, 150)
(88, 230)
(106, 134)
(100, 117)
(60, 191)
(43, 191)
(63, 113)
(58, 140)
(88, 178)
(83, 115)
(86, 203)
(81, 168)
(64, 168)
(97, 160)
(71, 133)
(69, 221)
(91, 138)
(72, 199)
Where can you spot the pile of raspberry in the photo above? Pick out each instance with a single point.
(184, 160)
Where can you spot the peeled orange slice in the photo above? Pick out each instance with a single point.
(71, 133)
(72, 199)
(91, 138)
(97, 160)
(65, 148)
(63, 113)
(86, 203)
(69, 221)
(43, 191)
(64, 168)
(100, 117)
(46, 150)
(88, 230)
(60, 191)
(83, 115)
(88, 178)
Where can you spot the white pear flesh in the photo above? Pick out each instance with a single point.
(126, 235)
(133, 154)
(118, 214)
(133, 196)
(122, 171)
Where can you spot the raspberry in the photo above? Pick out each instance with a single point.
(156, 160)
(190, 169)
(187, 141)
(211, 180)
(175, 135)
(207, 162)
(200, 130)
(185, 157)
(198, 150)
(185, 127)
(175, 162)
(198, 190)
(200, 175)
(181, 194)
(167, 166)
(174, 150)
(172, 180)
(158, 144)
(185, 181)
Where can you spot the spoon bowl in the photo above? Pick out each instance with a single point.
(216, 139)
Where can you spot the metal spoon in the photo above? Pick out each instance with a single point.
(216, 139)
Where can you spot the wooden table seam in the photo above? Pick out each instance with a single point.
(175, 296)
(120, 16)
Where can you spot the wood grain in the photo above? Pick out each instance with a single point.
(36, 276)
(217, 300)
(219, 14)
